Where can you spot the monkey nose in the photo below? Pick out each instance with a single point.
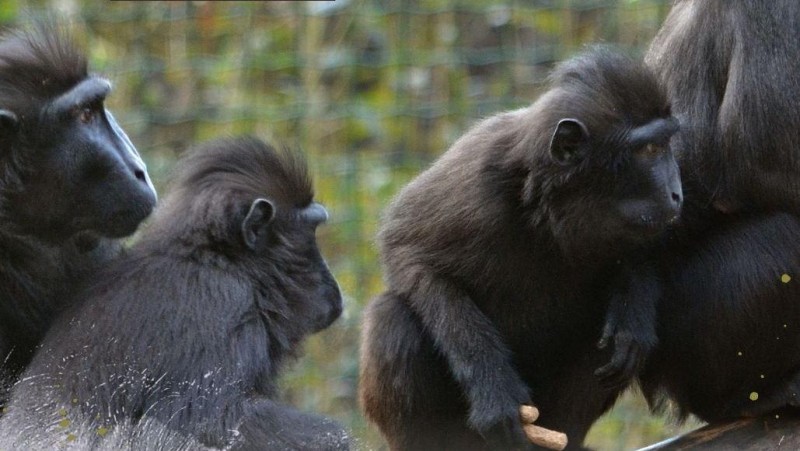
(677, 199)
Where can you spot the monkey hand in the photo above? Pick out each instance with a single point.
(630, 352)
(497, 419)
(506, 432)
(631, 323)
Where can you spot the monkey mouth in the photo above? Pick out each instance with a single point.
(646, 217)
(118, 224)
(648, 225)
(123, 223)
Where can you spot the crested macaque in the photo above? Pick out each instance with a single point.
(71, 184)
(186, 334)
(729, 318)
(498, 260)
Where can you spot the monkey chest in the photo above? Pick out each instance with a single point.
(537, 322)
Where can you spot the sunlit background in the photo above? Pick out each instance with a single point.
(372, 91)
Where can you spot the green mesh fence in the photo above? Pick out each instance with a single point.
(372, 91)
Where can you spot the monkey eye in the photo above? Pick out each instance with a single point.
(87, 112)
(651, 150)
(86, 115)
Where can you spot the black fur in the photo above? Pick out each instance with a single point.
(67, 180)
(497, 255)
(729, 326)
(191, 327)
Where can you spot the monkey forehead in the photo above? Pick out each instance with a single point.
(93, 89)
(657, 131)
(605, 87)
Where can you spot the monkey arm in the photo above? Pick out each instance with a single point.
(474, 350)
(630, 322)
(270, 425)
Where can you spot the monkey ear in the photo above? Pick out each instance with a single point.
(8, 120)
(254, 226)
(568, 141)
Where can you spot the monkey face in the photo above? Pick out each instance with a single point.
(244, 203)
(650, 198)
(285, 238)
(623, 189)
(80, 157)
(314, 293)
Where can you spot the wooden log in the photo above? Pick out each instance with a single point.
(538, 435)
(776, 431)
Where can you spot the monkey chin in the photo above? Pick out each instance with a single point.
(647, 228)
(123, 223)
(119, 224)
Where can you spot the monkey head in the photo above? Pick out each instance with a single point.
(606, 173)
(251, 207)
(67, 165)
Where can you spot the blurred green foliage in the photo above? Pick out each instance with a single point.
(372, 90)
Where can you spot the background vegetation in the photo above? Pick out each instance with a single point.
(372, 90)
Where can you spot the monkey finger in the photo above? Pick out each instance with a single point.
(614, 379)
(626, 371)
(610, 369)
(619, 360)
(507, 435)
(608, 332)
(632, 364)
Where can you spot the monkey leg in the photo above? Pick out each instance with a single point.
(572, 402)
(405, 387)
(476, 355)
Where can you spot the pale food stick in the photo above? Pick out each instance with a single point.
(539, 435)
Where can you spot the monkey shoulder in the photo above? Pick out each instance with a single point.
(453, 194)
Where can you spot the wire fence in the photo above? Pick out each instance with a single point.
(371, 90)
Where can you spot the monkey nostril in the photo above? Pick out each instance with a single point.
(140, 175)
(677, 198)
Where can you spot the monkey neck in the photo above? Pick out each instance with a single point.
(37, 278)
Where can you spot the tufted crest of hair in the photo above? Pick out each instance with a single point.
(217, 182)
(606, 90)
(37, 64)
(613, 88)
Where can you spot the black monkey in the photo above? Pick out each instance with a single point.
(729, 321)
(190, 328)
(736, 93)
(496, 258)
(69, 180)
